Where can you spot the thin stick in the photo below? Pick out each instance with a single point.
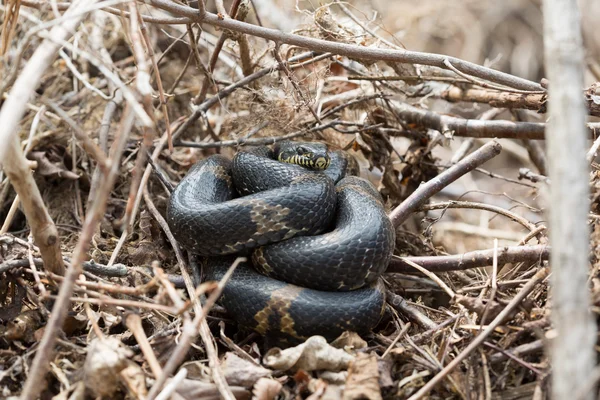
(539, 277)
(573, 353)
(45, 351)
(431, 276)
(190, 331)
(481, 206)
(473, 259)
(428, 189)
(473, 127)
(351, 51)
(24, 87)
(404, 329)
(16, 167)
(134, 323)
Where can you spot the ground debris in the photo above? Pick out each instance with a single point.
(314, 354)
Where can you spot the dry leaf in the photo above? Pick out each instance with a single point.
(192, 390)
(314, 354)
(45, 167)
(349, 341)
(135, 380)
(337, 378)
(242, 372)
(106, 358)
(363, 379)
(266, 389)
(322, 390)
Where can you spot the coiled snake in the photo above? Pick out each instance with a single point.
(319, 240)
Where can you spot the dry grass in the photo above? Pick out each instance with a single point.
(418, 337)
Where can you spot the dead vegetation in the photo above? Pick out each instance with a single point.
(101, 93)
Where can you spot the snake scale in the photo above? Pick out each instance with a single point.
(318, 239)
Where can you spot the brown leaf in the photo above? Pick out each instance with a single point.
(363, 378)
(192, 389)
(349, 341)
(314, 354)
(135, 380)
(241, 372)
(45, 167)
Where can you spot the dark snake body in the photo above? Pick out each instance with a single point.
(320, 248)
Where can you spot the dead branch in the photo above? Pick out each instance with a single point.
(426, 190)
(540, 276)
(473, 127)
(33, 385)
(573, 354)
(43, 229)
(351, 51)
(24, 87)
(528, 101)
(116, 270)
(473, 259)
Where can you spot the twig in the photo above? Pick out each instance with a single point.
(474, 127)
(483, 84)
(402, 332)
(171, 387)
(117, 270)
(351, 51)
(428, 189)
(134, 323)
(431, 276)
(473, 259)
(400, 305)
(33, 385)
(573, 353)
(257, 141)
(481, 206)
(88, 144)
(14, 107)
(189, 332)
(43, 229)
(213, 58)
(512, 354)
(528, 101)
(513, 304)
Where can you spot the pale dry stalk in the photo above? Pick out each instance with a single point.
(572, 351)
(11, 156)
(45, 351)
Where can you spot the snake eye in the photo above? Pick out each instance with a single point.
(301, 150)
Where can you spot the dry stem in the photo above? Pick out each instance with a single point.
(428, 189)
(33, 385)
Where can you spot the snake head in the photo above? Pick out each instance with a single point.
(310, 155)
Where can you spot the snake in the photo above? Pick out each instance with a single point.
(318, 238)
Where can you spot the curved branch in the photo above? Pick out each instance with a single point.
(473, 259)
(352, 51)
(433, 186)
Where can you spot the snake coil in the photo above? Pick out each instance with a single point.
(319, 240)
